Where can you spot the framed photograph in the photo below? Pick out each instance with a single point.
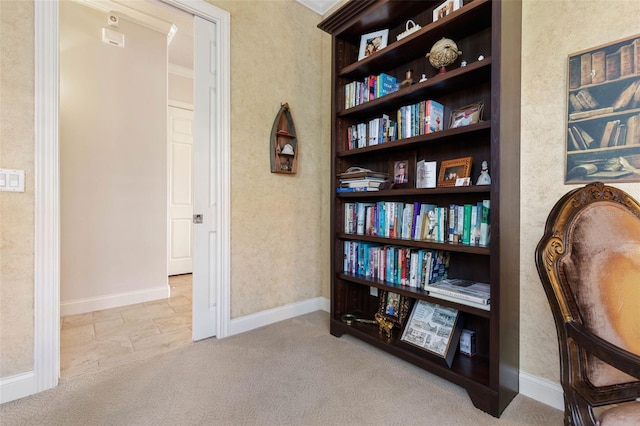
(603, 124)
(452, 170)
(434, 328)
(402, 170)
(446, 8)
(393, 307)
(372, 42)
(464, 116)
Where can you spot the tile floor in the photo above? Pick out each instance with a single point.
(100, 339)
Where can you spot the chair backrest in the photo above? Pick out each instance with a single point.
(589, 264)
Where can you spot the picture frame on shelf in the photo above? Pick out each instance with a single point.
(452, 170)
(469, 114)
(446, 8)
(402, 170)
(434, 328)
(393, 307)
(372, 42)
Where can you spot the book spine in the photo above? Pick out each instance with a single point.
(626, 60)
(574, 72)
(585, 69)
(636, 55)
(485, 223)
(466, 228)
(598, 73)
(613, 65)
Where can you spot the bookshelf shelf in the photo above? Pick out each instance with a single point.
(486, 28)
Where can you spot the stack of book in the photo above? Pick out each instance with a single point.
(470, 293)
(359, 179)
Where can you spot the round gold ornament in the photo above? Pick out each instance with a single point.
(444, 52)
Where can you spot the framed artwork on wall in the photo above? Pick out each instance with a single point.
(603, 113)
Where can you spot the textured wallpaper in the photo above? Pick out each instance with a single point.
(279, 230)
(551, 31)
(16, 209)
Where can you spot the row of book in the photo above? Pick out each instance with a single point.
(618, 132)
(467, 224)
(372, 87)
(584, 105)
(411, 120)
(604, 65)
(415, 268)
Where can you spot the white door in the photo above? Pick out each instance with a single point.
(180, 129)
(206, 235)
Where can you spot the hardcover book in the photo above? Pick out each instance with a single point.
(462, 289)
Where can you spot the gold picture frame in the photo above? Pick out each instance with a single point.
(393, 307)
(452, 170)
(469, 114)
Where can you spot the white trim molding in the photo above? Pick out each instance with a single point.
(46, 307)
(90, 304)
(281, 313)
(16, 387)
(542, 390)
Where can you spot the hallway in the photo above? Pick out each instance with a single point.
(102, 339)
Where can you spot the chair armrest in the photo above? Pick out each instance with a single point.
(611, 354)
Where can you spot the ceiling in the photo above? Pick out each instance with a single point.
(161, 16)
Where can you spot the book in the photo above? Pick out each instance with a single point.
(361, 184)
(633, 130)
(574, 72)
(598, 74)
(609, 130)
(625, 98)
(580, 141)
(613, 65)
(635, 47)
(356, 189)
(485, 230)
(589, 102)
(578, 115)
(586, 137)
(483, 306)
(626, 60)
(425, 174)
(462, 289)
(585, 69)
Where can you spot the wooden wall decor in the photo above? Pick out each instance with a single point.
(284, 143)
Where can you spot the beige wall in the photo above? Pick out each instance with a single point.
(280, 223)
(113, 160)
(16, 209)
(551, 31)
(279, 230)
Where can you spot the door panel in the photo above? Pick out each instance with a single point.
(180, 191)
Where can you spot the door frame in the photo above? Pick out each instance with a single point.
(46, 334)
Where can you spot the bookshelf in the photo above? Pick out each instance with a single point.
(479, 27)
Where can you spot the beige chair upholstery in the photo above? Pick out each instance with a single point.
(589, 264)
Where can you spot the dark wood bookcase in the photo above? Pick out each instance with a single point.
(480, 27)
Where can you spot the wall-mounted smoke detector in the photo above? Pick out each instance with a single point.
(113, 20)
(112, 37)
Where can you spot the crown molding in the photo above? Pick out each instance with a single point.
(319, 6)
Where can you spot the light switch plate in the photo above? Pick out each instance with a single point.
(11, 180)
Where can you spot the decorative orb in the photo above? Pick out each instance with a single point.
(444, 52)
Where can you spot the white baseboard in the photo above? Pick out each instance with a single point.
(16, 387)
(81, 306)
(281, 313)
(542, 390)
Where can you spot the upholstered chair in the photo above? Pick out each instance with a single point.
(589, 264)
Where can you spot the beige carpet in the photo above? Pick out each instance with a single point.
(290, 373)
